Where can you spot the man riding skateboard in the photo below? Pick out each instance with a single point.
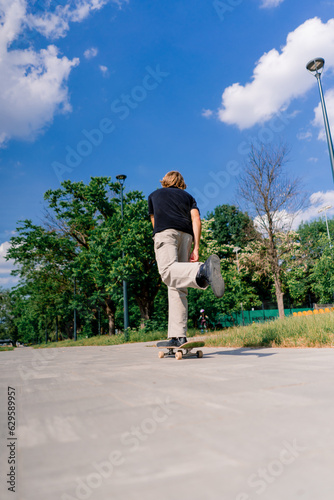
(176, 228)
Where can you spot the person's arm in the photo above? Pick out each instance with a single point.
(197, 228)
(150, 209)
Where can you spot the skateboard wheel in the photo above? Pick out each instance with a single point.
(178, 355)
(161, 354)
(199, 354)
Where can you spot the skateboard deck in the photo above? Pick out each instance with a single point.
(181, 351)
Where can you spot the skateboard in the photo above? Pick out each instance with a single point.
(182, 351)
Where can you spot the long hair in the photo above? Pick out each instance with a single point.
(173, 178)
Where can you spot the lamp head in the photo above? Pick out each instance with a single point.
(327, 207)
(315, 66)
(121, 178)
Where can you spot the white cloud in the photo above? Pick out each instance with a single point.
(282, 221)
(304, 136)
(279, 76)
(318, 121)
(90, 53)
(270, 3)
(33, 83)
(285, 221)
(6, 267)
(104, 70)
(207, 113)
(32, 89)
(317, 201)
(55, 23)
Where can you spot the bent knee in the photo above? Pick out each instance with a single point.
(165, 276)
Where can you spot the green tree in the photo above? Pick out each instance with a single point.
(231, 226)
(45, 260)
(303, 281)
(90, 214)
(139, 266)
(311, 237)
(8, 328)
(83, 240)
(322, 273)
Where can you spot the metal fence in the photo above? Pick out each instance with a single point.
(249, 317)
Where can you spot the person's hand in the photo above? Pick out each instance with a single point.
(194, 257)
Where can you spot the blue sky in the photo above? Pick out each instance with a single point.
(102, 87)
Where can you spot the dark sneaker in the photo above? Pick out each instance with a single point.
(209, 274)
(174, 342)
(182, 340)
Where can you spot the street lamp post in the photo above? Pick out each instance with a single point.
(324, 209)
(236, 250)
(121, 179)
(315, 67)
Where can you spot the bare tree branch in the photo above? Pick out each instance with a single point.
(274, 199)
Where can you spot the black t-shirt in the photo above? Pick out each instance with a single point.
(171, 209)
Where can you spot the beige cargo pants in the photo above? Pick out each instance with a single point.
(172, 250)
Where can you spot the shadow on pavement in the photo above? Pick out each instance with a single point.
(242, 351)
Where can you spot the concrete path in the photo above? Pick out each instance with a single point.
(119, 423)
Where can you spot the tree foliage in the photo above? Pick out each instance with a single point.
(8, 328)
(86, 240)
(316, 281)
(231, 226)
(322, 273)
